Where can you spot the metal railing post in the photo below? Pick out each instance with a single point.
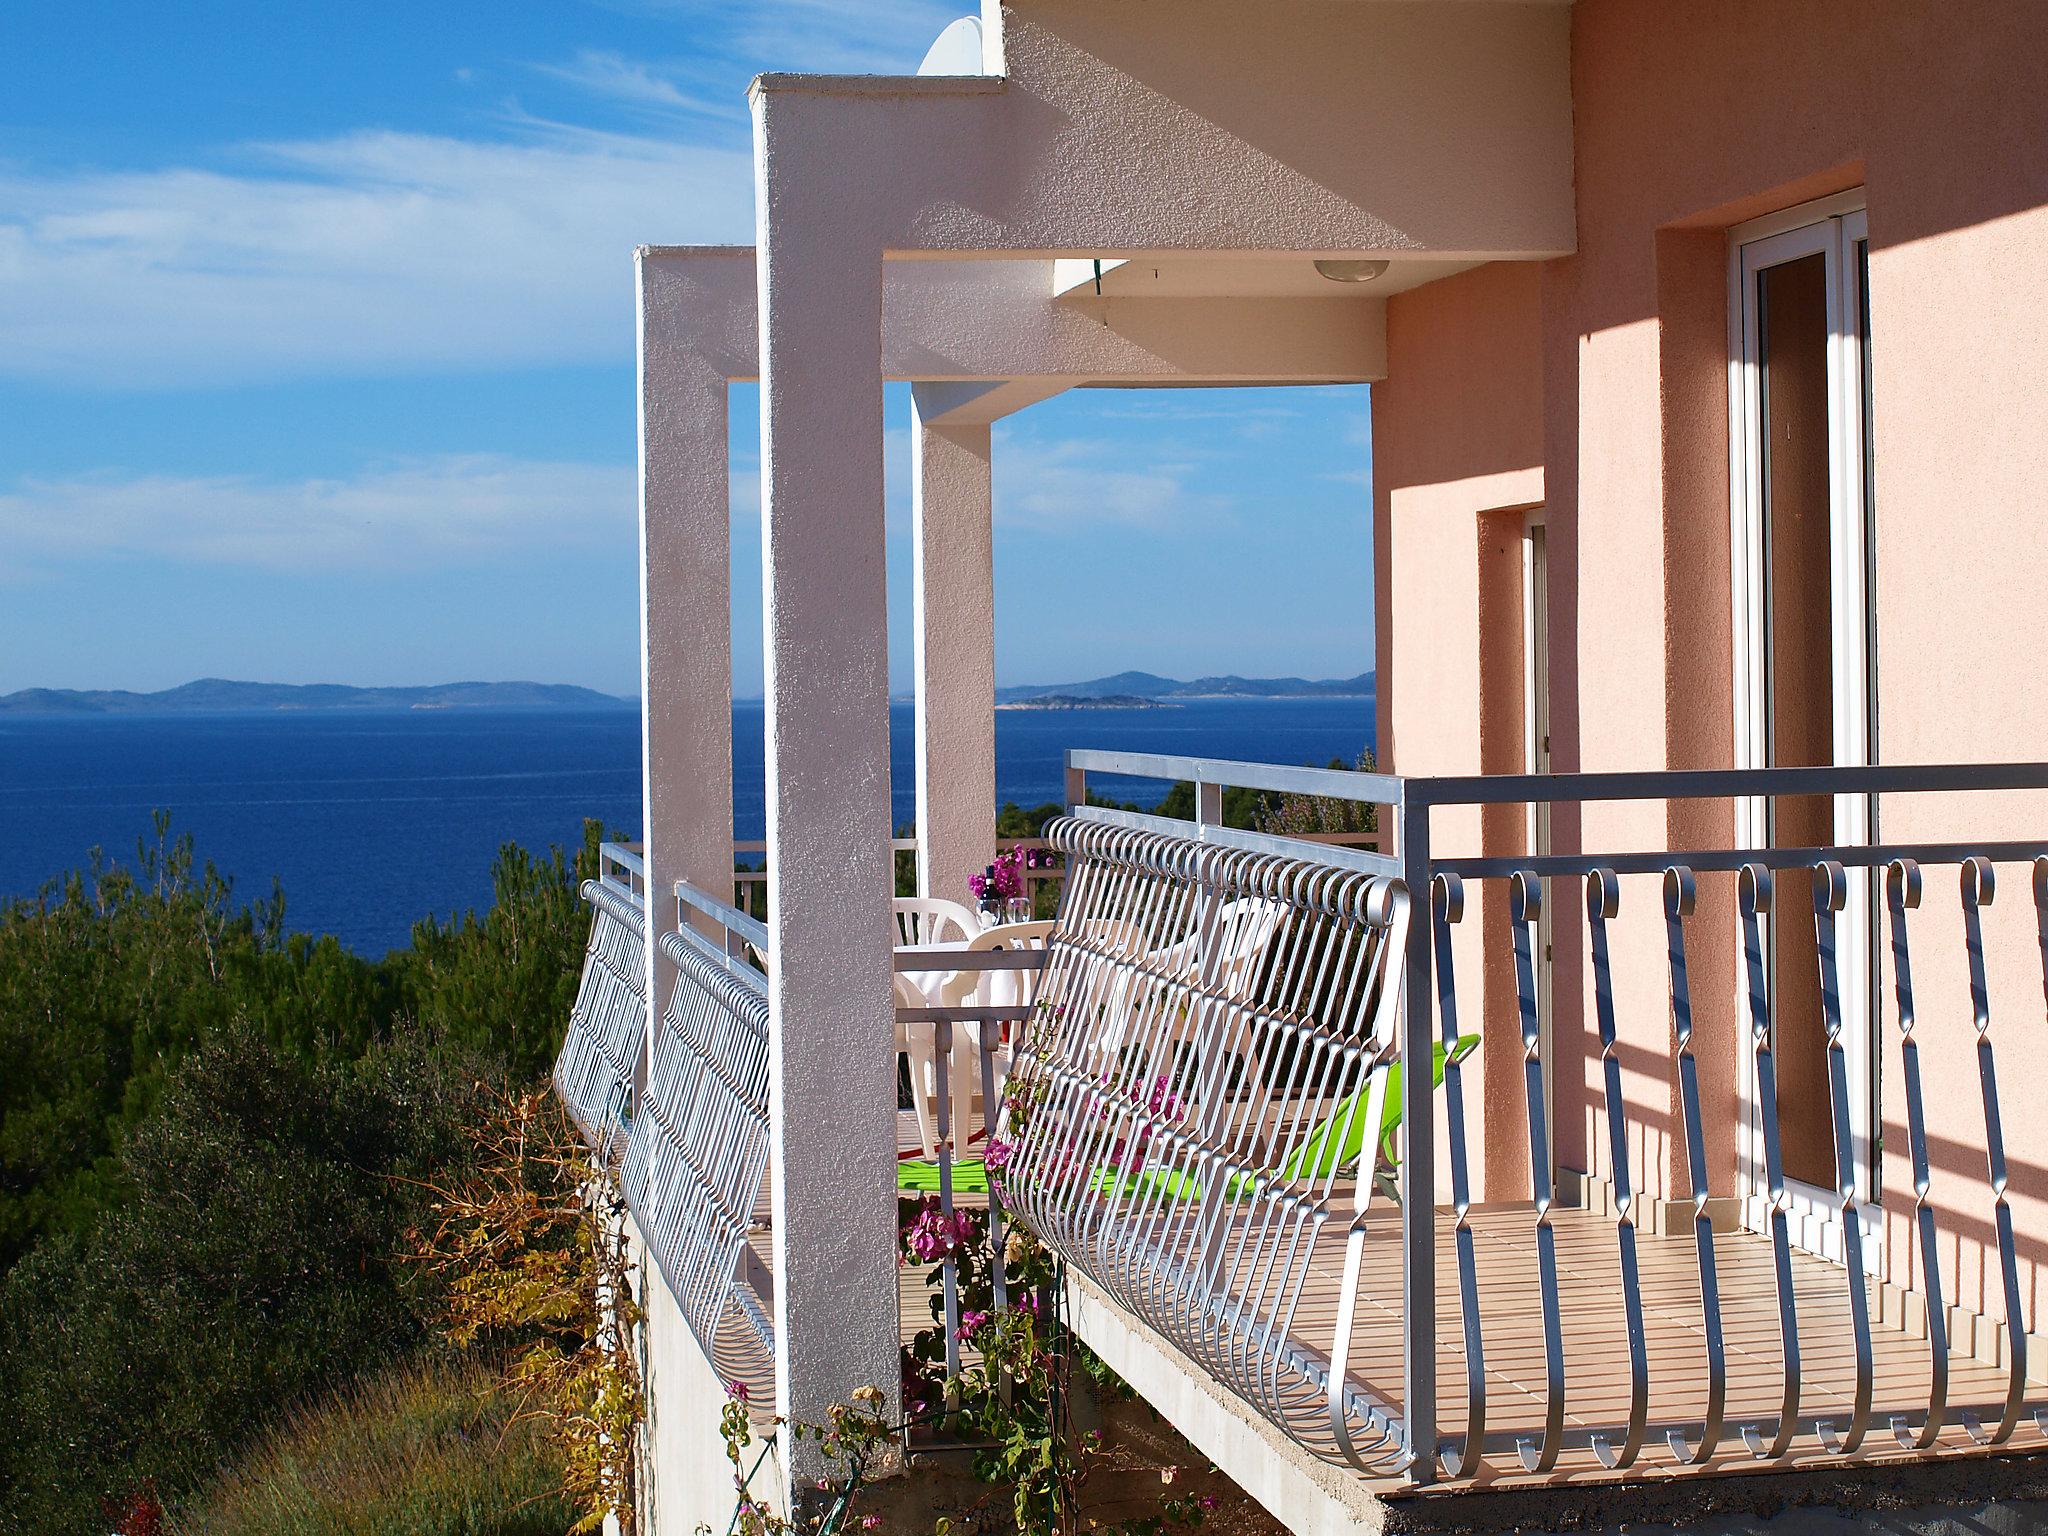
(1418, 1157)
(1077, 785)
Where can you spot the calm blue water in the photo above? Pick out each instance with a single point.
(373, 819)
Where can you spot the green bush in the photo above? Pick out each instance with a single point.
(113, 975)
(505, 982)
(254, 1262)
(426, 1451)
(107, 980)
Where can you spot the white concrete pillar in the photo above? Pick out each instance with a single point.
(832, 1055)
(953, 596)
(685, 604)
(686, 757)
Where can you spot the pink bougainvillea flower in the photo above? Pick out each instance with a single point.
(736, 1390)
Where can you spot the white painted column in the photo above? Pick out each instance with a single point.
(685, 605)
(832, 1055)
(953, 598)
(686, 746)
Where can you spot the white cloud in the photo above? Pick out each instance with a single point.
(372, 252)
(1078, 484)
(832, 36)
(641, 86)
(451, 510)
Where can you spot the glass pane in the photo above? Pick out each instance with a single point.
(1792, 330)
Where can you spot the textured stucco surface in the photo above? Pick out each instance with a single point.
(953, 639)
(832, 1060)
(1458, 457)
(1398, 127)
(1686, 123)
(1690, 123)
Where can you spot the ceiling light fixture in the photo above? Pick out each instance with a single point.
(1351, 271)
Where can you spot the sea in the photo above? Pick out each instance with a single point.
(371, 819)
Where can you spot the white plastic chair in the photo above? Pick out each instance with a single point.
(915, 1042)
(927, 920)
(989, 989)
(1244, 928)
(933, 920)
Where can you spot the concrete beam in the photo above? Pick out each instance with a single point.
(1398, 128)
(977, 405)
(982, 322)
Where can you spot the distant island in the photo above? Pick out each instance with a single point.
(216, 695)
(1079, 701)
(1150, 686)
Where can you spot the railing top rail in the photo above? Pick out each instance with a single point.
(677, 940)
(623, 856)
(1728, 860)
(621, 901)
(1328, 783)
(724, 913)
(1556, 788)
(1311, 852)
(1723, 783)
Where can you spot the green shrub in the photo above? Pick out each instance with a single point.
(108, 979)
(255, 1261)
(505, 982)
(113, 975)
(425, 1451)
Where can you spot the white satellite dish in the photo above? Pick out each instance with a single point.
(957, 51)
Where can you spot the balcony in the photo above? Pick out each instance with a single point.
(1652, 1219)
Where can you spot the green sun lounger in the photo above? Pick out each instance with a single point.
(1337, 1143)
(920, 1176)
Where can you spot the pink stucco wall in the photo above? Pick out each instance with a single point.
(1600, 379)
(1457, 458)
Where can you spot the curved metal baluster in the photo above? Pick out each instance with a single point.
(1979, 886)
(1526, 906)
(1681, 895)
(1387, 903)
(1447, 905)
(1830, 895)
(1603, 901)
(1754, 892)
(1902, 891)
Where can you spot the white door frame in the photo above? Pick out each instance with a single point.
(1536, 759)
(1831, 228)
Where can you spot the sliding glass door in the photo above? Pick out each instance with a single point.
(1805, 662)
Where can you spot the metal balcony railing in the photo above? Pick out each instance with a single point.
(1248, 1054)
(1202, 1143)
(600, 1055)
(698, 1151)
(686, 1123)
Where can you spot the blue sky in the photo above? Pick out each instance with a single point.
(316, 364)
